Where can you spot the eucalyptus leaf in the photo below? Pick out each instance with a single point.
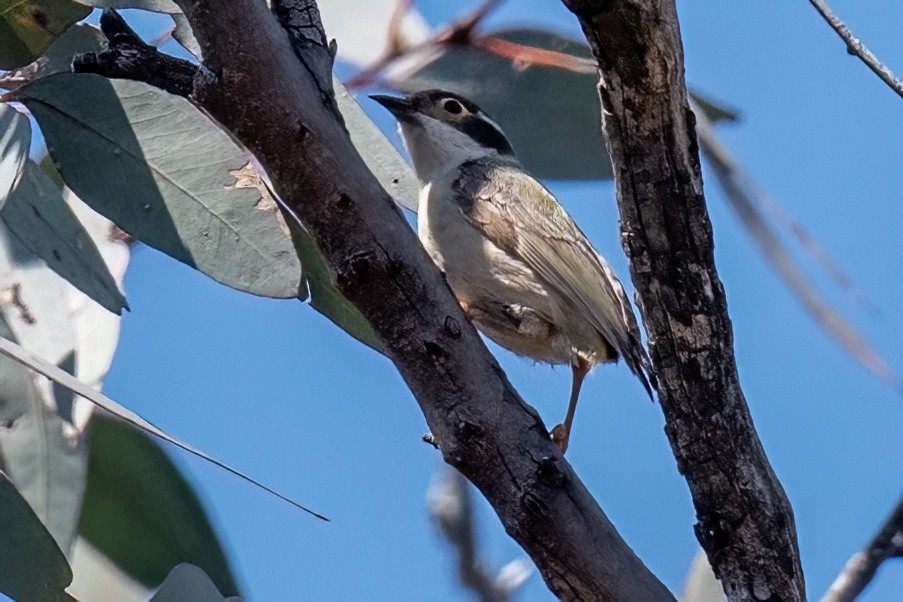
(184, 35)
(141, 513)
(381, 157)
(58, 58)
(541, 89)
(155, 6)
(187, 582)
(167, 175)
(32, 566)
(28, 27)
(42, 454)
(96, 329)
(15, 141)
(20, 354)
(39, 216)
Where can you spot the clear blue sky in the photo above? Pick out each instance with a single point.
(274, 389)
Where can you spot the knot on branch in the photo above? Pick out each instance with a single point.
(129, 57)
(301, 20)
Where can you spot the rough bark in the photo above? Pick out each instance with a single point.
(256, 87)
(745, 522)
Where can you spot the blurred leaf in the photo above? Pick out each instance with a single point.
(11, 349)
(96, 577)
(140, 511)
(745, 199)
(39, 216)
(58, 58)
(32, 567)
(361, 32)
(541, 89)
(156, 6)
(42, 454)
(187, 582)
(96, 330)
(184, 35)
(164, 173)
(386, 163)
(15, 141)
(28, 27)
(702, 585)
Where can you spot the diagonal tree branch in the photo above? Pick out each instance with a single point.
(253, 84)
(857, 48)
(859, 570)
(745, 522)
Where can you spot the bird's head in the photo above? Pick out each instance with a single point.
(443, 130)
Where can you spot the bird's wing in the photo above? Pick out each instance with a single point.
(519, 215)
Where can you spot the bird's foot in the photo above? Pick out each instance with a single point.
(560, 436)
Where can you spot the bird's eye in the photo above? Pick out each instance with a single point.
(452, 106)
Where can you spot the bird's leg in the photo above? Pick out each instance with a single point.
(561, 434)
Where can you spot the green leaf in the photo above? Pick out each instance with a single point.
(28, 27)
(325, 297)
(386, 163)
(40, 450)
(142, 513)
(184, 35)
(17, 352)
(545, 101)
(15, 141)
(32, 567)
(58, 58)
(187, 582)
(156, 6)
(167, 175)
(39, 216)
(551, 115)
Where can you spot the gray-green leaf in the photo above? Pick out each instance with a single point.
(15, 351)
(381, 157)
(41, 452)
(541, 89)
(187, 582)
(32, 566)
(28, 27)
(133, 487)
(156, 6)
(15, 141)
(58, 58)
(167, 175)
(39, 216)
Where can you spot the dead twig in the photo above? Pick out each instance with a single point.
(857, 48)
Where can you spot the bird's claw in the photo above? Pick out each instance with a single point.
(560, 437)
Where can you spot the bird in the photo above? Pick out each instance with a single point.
(523, 271)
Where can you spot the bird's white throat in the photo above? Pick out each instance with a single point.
(435, 146)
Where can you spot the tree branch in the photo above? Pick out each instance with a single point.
(128, 57)
(745, 523)
(452, 508)
(857, 48)
(253, 84)
(859, 570)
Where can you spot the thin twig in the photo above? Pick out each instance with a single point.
(859, 570)
(459, 32)
(857, 48)
(452, 508)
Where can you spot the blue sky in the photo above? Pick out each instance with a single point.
(276, 390)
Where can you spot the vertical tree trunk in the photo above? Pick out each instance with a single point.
(745, 523)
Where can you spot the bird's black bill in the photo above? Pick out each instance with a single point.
(400, 107)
